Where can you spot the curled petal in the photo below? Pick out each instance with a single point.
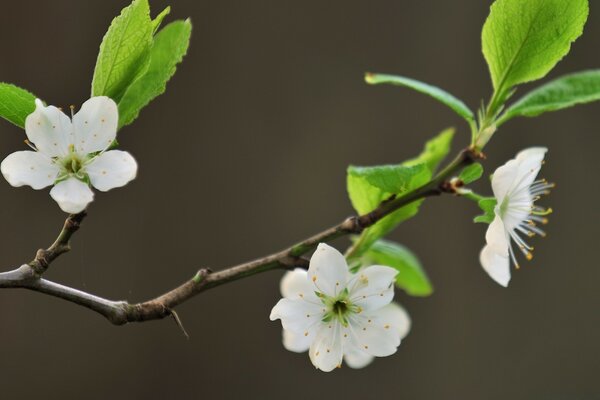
(503, 179)
(326, 350)
(518, 173)
(496, 236)
(49, 129)
(72, 195)
(496, 265)
(328, 270)
(95, 125)
(30, 168)
(298, 343)
(111, 169)
(373, 287)
(530, 162)
(356, 358)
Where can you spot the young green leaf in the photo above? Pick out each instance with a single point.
(15, 104)
(411, 276)
(487, 205)
(563, 92)
(124, 51)
(369, 186)
(471, 173)
(169, 47)
(159, 19)
(388, 178)
(440, 95)
(523, 40)
(365, 197)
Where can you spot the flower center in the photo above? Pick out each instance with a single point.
(339, 307)
(72, 165)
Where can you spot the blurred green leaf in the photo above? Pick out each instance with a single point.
(566, 91)
(169, 47)
(388, 178)
(471, 173)
(411, 275)
(124, 51)
(523, 40)
(369, 186)
(15, 104)
(440, 95)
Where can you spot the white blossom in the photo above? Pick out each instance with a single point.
(337, 315)
(71, 154)
(515, 189)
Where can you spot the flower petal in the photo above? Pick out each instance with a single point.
(328, 270)
(296, 285)
(298, 343)
(298, 316)
(72, 195)
(95, 125)
(111, 169)
(496, 236)
(356, 358)
(517, 174)
(372, 287)
(30, 168)
(496, 265)
(49, 129)
(530, 162)
(326, 350)
(379, 333)
(397, 317)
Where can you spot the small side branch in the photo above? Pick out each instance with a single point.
(61, 245)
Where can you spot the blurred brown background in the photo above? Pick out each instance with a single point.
(245, 154)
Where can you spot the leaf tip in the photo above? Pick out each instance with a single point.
(370, 78)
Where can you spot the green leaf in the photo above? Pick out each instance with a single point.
(365, 197)
(523, 40)
(487, 205)
(159, 19)
(124, 51)
(15, 104)
(388, 178)
(170, 46)
(411, 275)
(440, 95)
(369, 186)
(471, 173)
(566, 91)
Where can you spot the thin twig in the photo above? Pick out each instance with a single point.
(28, 276)
(61, 245)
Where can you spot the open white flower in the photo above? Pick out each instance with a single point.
(71, 155)
(335, 314)
(515, 189)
